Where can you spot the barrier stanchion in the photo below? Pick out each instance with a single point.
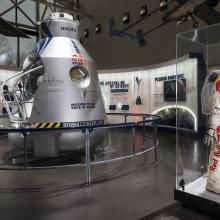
(25, 150)
(125, 119)
(133, 139)
(88, 168)
(144, 130)
(155, 141)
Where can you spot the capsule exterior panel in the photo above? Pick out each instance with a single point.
(68, 92)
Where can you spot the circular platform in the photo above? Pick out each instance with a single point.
(113, 159)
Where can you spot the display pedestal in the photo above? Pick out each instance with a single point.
(193, 158)
(196, 196)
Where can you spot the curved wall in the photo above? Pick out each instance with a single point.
(157, 88)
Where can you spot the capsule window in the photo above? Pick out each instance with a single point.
(79, 74)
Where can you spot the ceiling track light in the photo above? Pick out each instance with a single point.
(143, 11)
(98, 28)
(194, 21)
(182, 19)
(163, 5)
(86, 33)
(186, 17)
(126, 18)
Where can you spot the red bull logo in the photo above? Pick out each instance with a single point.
(78, 59)
(217, 84)
(215, 159)
(216, 153)
(218, 133)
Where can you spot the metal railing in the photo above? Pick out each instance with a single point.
(149, 120)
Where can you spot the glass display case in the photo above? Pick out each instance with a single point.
(198, 153)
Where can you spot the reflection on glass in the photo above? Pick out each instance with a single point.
(7, 54)
(78, 74)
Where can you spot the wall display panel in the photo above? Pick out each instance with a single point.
(153, 90)
(170, 90)
(127, 91)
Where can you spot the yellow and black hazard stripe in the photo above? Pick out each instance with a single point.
(47, 125)
(67, 124)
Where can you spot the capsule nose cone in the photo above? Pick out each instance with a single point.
(60, 15)
(60, 25)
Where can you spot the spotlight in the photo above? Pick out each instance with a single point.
(163, 4)
(143, 11)
(195, 23)
(126, 17)
(86, 33)
(182, 19)
(98, 29)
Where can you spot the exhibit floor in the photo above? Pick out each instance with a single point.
(144, 189)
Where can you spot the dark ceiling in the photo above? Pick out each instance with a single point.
(117, 52)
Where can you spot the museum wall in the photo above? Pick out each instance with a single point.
(155, 86)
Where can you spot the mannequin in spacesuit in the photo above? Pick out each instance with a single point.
(211, 106)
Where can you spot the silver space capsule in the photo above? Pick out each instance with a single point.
(58, 87)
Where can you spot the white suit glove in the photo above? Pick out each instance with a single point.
(209, 137)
